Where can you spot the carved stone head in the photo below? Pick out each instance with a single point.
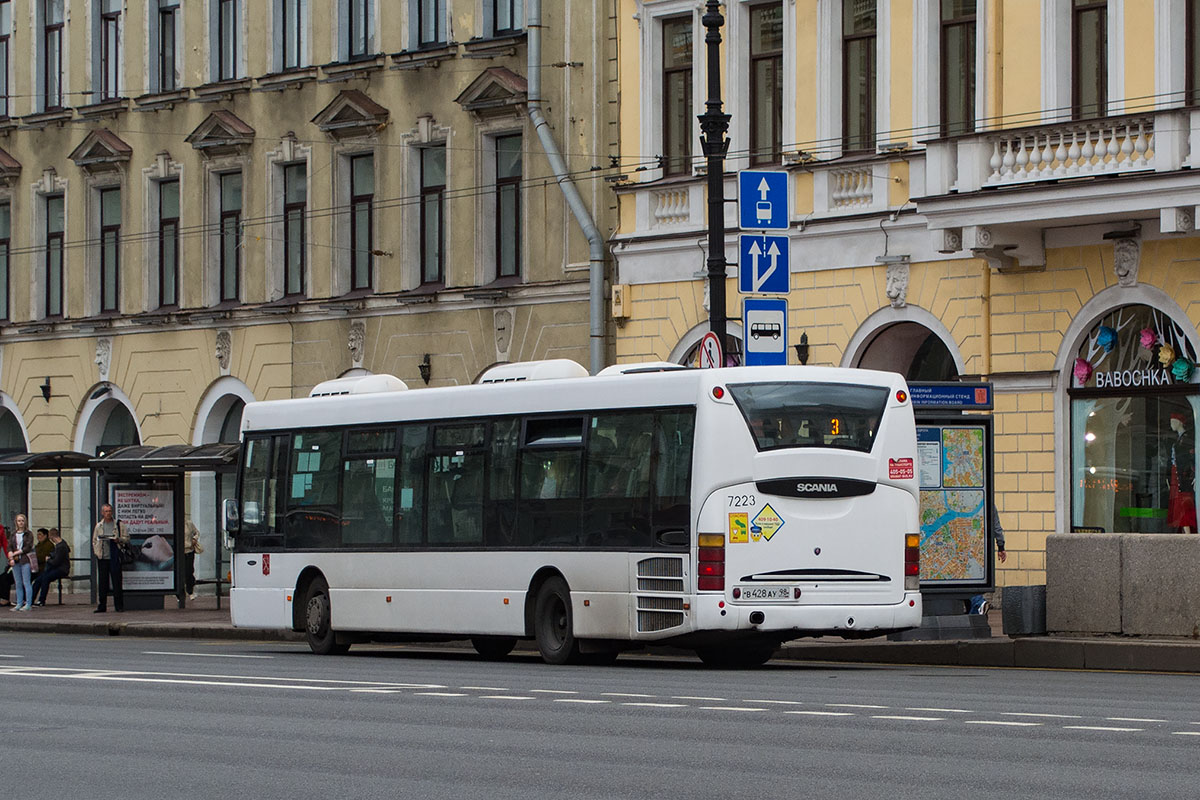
(1126, 257)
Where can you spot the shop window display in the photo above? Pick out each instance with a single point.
(1134, 404)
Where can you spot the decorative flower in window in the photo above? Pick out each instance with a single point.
(1083, 371)
(1182, 369)
(1166, 354)
(1148, 338)
(1106, 337)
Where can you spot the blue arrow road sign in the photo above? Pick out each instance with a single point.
(764, 330)
(762, 200)
(763, 264)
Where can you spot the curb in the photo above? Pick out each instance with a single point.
(152, 630)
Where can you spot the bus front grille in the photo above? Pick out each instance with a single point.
(659, 613)
(660, 575)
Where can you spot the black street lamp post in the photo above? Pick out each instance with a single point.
(714, 124)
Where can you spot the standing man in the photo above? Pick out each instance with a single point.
(105, 537)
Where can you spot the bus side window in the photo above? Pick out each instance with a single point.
(410, 485)
(616, 510)
(313, 519)
(261, 492)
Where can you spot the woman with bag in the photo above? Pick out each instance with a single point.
(191, 547)
(21, 545)
(107, 539)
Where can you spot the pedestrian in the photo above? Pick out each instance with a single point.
(6, 577)
(979, 603)
(56, 567)
(21, 545)
(42, 550)
(191, 546)
(107, 537)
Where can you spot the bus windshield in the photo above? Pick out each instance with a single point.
(811, 414)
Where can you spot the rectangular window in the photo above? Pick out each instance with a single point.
(508, 205)
(168, 39)
(431, 22)
(433, 195)
(313, 509)
(231, 235)
(168, 243)
(54, 256)
(358, 30)
(5, 32)
(263, 491)
(368, 501)
(110, 49)
(859, 20)
(507, 16)
(227, 40)
(295, 207)
(456, 485)
(292, 27)
(1089, 59)
(110, 249)
(766, 84)
(1191, 29)
(677, 95)
(362, 233)
(52, 43)
(785, 415)
(958, 67)
(5, 244)
(410, 485)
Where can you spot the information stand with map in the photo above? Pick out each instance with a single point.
(955, 467)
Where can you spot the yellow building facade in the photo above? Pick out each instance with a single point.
(209, 202)
(998, 190)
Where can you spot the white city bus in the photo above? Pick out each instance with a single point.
(724, 510)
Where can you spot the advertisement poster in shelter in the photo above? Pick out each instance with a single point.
(147, 513)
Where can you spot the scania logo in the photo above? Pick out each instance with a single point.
(816, 487)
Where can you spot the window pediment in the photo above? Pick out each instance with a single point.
(221, 133)
(351, 114)
(496, 90)
(10, 168)
(101, 151)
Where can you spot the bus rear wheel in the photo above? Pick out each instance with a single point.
(493, 648)
(553, 625)
(736, 657)
(318, 626)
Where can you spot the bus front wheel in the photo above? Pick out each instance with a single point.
(318, 627)
(553, 626)
(493, 648)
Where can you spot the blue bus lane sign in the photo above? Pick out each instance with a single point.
(764, 331)
(763, 264)
(763, 200)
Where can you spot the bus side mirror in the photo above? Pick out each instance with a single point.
(231, 517)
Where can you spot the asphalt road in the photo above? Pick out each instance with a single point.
(155, 718)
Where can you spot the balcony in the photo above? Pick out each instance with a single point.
(1111, 170)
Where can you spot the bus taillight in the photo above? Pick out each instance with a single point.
(710, 567)
(912, 561)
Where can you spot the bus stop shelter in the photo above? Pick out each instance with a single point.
(37, 469)
(146, 488)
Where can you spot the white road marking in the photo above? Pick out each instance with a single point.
(7, 656)
(551, 691)
(1185, 733)
(943, 710)
(1044, 716)
(699, 697)
(656, 705)
(822, 713)
(375, 691)
(908, 718)
(778, 702)
(854, 705)
(587, 702)
(505, 697)
(623, 694)
(442, 694)
(485, 688)
(1012, 724)
(1132, 719)
(1100, 728)
(198, 655)
(730, 708)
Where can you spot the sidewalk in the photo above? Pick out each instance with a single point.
(202, 620)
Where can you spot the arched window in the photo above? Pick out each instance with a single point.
(119, 430)
(911, 349)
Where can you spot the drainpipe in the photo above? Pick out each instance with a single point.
(533, 23)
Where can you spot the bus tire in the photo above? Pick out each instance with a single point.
(736, 656)
(553, 624)
(493, 648)
(318, 626)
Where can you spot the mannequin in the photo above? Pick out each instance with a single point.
(1181, 505)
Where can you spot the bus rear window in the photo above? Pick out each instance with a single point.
(844, 416)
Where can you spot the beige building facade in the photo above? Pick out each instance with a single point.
(209, 202)
(999, 190)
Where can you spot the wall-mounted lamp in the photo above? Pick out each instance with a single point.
(802, 349)
(103, 390)
(45, 387)
(424, 369)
